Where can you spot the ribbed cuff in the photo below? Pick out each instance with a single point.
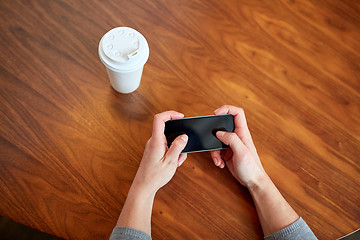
(297, 230)
(128, 233)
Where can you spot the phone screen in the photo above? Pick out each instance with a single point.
(200, 130)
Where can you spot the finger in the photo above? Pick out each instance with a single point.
(233, 141)
(238, 113)
(241, 127)
(176, 147)
(216, 157)
(160, 119)
(182, 159)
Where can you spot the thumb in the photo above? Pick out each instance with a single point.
(177, 146)
(233, 140)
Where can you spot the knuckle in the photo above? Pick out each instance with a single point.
(170, 162)
(156, 116)
(149, 143)
(232, 137)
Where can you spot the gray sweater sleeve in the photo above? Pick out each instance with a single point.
(296, 231)
(125, 233)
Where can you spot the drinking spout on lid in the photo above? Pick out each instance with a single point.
(133, 54)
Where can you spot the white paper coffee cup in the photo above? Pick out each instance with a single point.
(124, 51)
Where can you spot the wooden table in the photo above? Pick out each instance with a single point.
(70, 145)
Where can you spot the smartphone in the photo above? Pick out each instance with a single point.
(200, 130)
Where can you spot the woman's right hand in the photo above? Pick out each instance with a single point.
(241, 158)
(244, 164)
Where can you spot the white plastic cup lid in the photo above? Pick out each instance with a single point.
(123, 49)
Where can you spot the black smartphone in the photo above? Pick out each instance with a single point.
(200, 130)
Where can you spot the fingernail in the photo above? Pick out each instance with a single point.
(221, 165)
(216, 162)
(220, 133)
(216, 110)
(184, 137)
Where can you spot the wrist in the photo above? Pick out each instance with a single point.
(139, 187)
(260, 182)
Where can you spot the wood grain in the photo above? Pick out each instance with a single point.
(70, 145)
